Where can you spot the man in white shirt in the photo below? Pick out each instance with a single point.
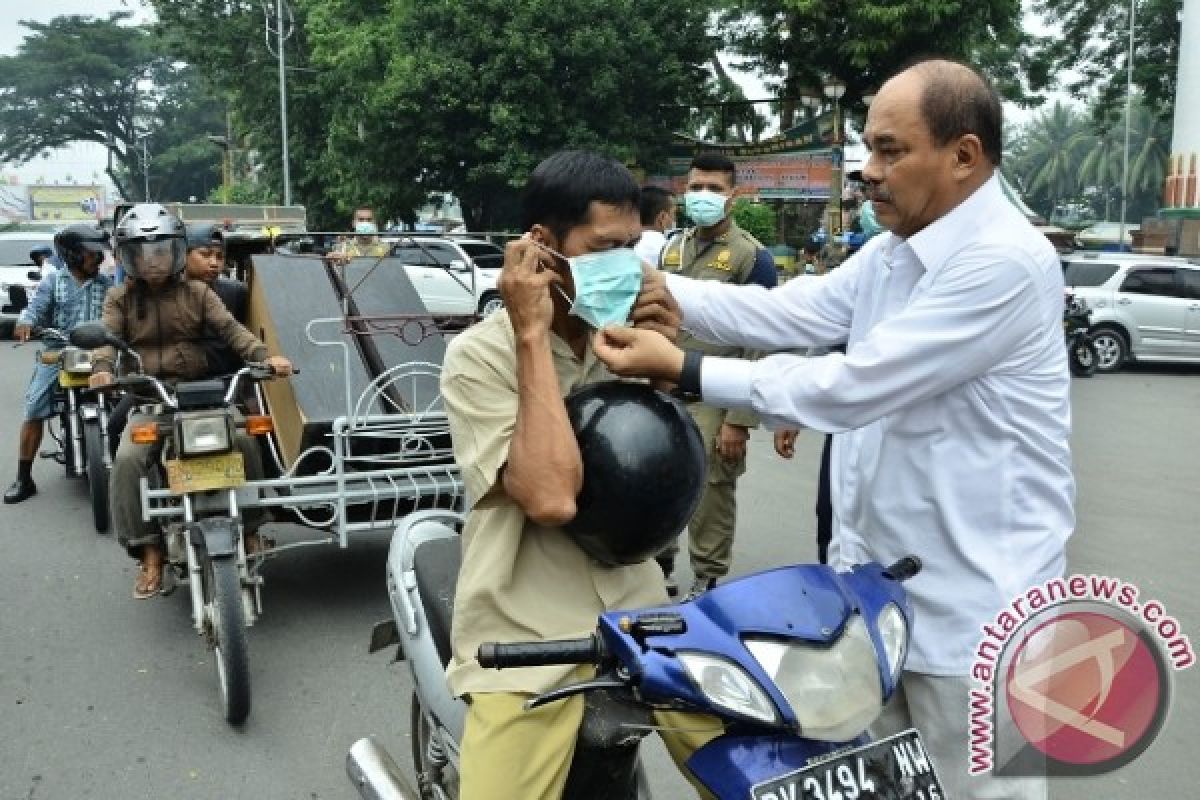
(657, 210)
(951, 399)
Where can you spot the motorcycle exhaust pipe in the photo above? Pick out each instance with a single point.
(375, 774)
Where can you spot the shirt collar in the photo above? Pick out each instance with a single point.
(937, 242)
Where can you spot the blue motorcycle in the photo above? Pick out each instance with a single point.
(796, 662)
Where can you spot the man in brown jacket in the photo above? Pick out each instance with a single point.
(163, 317)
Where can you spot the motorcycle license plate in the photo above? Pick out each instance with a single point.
(897, 767)
(202, 473)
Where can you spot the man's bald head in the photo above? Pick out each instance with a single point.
(956, 101)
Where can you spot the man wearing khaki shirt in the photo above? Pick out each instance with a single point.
(523, 578)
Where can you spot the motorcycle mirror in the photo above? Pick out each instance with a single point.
(91, 335)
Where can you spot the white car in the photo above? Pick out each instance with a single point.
(453, 276)
(1144, 307)
(17, 283)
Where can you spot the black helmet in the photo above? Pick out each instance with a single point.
(73, 241)
(204, 235)
(643, 470)
(43, 250)
(150, 233)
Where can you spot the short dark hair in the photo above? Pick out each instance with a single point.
(715, 162)
(655, 200)
(957, 100)
(562, 188)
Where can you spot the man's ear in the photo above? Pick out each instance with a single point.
(968, 156)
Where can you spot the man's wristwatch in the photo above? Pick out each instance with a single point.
(689, 376)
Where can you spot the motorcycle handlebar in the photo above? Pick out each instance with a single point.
(904, 569)
(495, 655)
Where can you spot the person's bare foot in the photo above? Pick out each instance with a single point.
(150, 574)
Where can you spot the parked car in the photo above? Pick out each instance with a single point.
(17, 283)
(441, 270)
(1144, 307)
(1104, 236)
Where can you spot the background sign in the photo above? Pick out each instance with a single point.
(67, 203)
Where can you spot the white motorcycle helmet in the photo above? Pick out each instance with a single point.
(151, 240)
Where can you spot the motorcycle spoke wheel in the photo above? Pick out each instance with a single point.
(226, 630)
(97, 476)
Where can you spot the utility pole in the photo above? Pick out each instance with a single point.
(1128, 115)
(283, 126)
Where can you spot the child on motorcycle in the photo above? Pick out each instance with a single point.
(65, 298)
(162, 316)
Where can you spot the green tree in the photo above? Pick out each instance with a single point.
(1093, 47)
(75, 79)
(1047, 161)
(757, 219)
(797, 44)
(469, 97)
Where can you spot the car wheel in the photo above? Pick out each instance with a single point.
(490, 304)
(1112, 349)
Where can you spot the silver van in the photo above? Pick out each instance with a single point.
(1144, 307)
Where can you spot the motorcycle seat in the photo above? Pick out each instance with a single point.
(436, 563)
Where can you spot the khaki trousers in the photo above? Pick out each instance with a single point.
(509, 753)
(710, 531)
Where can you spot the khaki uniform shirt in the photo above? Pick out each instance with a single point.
(729, 259)
(373, 248)
(519, 581)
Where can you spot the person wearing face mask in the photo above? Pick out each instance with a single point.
(365, 243)
(951, 405)
(716, 249)
(503, 383)
(64, 299)
(162, 315)
(658, 217)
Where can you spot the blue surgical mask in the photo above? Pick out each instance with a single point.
(606, 285)
(366, 228)
(705, 207)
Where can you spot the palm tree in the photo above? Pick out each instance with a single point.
(1050, 151)
(1149, 142)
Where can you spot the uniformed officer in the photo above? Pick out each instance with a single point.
(715, 249)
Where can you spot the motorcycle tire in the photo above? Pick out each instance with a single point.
(97, 475)
(431, 779)
(1083, 358)
(227, 632)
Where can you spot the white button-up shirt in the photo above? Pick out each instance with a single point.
(951, 405)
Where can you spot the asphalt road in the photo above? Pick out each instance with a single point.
(105, 697)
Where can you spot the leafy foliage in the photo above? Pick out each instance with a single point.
(1094, 46)
(757, 219)
(863, 42)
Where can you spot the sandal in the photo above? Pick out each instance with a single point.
(256, 544)
(148, 582)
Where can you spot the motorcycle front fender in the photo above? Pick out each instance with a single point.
(215, 535)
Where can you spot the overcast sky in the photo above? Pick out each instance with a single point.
(85, 162)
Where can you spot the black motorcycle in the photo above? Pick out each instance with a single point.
(1081, 349)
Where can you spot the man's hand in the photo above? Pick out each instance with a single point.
(731, 442)
(280, 365)
(634, 353)
(785, 442)
(99, 379)
(656, 309)
(22, 332)
(524, 285)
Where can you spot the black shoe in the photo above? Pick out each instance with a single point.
(21, 489)
(699, 586)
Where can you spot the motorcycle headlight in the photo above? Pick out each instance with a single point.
(76, 361)
(893, 631)
(834, 690)
(729, 686)
(204, 433)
